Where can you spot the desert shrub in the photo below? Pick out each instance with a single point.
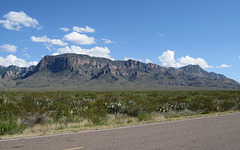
(203, 104)
(189, 99)
(28, 104)
(10, 110)
(172, 114)
(129, 121)
(237, 99)
(61, 112)
(144, 116)
(131, 108)
(97, 115)
(227, 105)
(9, 125)
(1, 100)
(154, 94)
(186, 112)
(37, 118)
(21, 109)
(113, 107)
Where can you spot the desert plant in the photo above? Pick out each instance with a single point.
(9, 125)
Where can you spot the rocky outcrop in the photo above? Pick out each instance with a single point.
(14, 72)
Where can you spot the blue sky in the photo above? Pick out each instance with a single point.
(171, 33)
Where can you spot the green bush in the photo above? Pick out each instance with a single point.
(131, 110)
(97, 115)
(227, 105)
(10, 126)
(144, 116)
(203, 104)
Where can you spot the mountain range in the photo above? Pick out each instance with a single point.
(82, 72)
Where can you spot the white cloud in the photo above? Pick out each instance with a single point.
(239, 57)
(78, 38)
(184, 61)
(54, 54)
(48, 47)
(224, 66)
(83, 30)
(45, 39)
(107, 41)
(148, 61)
(127, 58)
(26, 55)
(96, 51)
(13, 60)
(160, 34)
(8, 48)
(17, 20)
(39, 28)
(167, 60)
(65, 29)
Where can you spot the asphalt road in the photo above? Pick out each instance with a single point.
(210, 133)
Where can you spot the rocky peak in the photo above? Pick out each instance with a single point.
(152, 66)
(53, 63)
(2, 69)
(192, 68)
(195, 70)
(132, 64)
(12, 72)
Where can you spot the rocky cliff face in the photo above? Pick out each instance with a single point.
(14, 72)
(72, 70)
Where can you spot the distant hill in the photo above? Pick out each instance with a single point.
(82, 72)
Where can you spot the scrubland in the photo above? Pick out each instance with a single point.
(38, 113)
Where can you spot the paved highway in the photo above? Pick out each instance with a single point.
(215, 133)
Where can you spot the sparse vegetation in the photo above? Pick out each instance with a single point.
(21, 111)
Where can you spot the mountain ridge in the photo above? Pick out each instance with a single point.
(83, 72)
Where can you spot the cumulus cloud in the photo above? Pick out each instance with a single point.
(13, 60)
(78, 38)
(224, 66)
(193, 61)
(107, 41)
(45, 39)
(167, 60)
(96, 51)
(127, 58)
(148, 61)
(65, 29)
(8, 48)
(17, 20)
(83, 30)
